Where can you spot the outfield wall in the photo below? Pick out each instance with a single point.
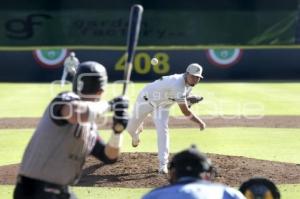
(222, 64)
(179, 33)
(169, 22)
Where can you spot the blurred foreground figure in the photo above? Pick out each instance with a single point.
(190, 172)
(260, 188)
(67, 134)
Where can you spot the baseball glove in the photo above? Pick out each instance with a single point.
(193, 100)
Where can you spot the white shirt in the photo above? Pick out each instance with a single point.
(167, 90)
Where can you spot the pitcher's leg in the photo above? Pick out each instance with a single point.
(161, 118)
(135, 123)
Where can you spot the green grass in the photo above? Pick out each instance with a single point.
(287, 192)
(12, 145)
(276, 144)
(89, 192)
(290, 191)
(114, 193)
(30, 100)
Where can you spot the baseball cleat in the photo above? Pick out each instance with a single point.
(163, 169)
(135, 141)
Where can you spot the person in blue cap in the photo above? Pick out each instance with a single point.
(190, 172)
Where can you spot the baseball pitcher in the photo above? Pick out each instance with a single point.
(156, 99)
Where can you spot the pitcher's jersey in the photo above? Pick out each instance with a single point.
(167, 90)
(198, 189)
(57, 149)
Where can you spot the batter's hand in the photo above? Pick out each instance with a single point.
(120, 118)
(118, 102)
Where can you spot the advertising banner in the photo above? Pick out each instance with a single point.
(219, 64)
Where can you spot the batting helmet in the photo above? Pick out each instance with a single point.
(90, 78)
(190, 162)
(259, 188)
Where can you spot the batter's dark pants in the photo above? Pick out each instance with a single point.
(28, 188)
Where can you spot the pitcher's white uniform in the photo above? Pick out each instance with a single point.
(157, 98)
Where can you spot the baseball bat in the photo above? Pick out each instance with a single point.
(135, 20)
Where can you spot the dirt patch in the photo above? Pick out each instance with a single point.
(135, 170)
(181, 122)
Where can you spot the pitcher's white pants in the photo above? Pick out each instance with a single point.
(160, 115)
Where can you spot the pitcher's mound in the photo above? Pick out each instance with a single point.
(140, 170)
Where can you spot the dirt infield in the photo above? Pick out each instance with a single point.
(181, 122)
(138, 170)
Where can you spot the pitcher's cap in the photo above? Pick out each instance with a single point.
(195, 70)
